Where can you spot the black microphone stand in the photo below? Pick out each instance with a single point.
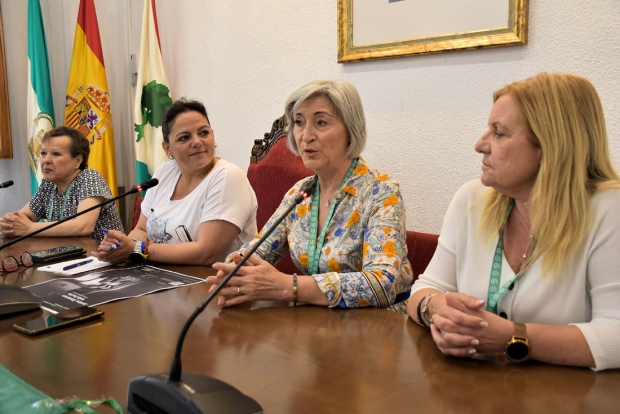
(152, 393)
(135, 189)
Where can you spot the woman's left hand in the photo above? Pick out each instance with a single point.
(15, 224)
(257, 280)
(114, 248)
(449, 335)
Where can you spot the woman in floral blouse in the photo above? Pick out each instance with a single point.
(348, 239)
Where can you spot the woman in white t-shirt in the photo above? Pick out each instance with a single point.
(203, 207)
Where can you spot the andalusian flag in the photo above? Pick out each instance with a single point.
(40, 106)
(88, 100)
(152, 98)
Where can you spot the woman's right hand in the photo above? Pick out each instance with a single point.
(115, 247)
(458, 322)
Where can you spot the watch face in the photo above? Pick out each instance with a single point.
(518, 350)
(136, 258)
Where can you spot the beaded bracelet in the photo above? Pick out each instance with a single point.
(423, 319)
(294, 289)
(425, 309)
(420, 320)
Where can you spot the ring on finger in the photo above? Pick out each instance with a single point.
(238, 290)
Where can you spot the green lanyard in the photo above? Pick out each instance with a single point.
(314, 249)
(64, 203)
(495, 292)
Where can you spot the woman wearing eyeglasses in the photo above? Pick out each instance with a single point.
(203, 207)
(67, 188)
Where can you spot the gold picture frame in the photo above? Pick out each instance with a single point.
(512, 33)
(6, 146)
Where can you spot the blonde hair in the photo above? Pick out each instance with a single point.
(565, 117)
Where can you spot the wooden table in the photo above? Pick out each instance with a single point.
(301, 359)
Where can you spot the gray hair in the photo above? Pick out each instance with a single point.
(347, 102)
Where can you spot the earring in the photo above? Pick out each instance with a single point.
(171, 157)
(216, 145)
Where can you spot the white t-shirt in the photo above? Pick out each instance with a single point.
(224, 194)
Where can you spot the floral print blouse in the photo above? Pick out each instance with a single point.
(363, 261)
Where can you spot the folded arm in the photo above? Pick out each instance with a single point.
(25, 221)
(213, 238)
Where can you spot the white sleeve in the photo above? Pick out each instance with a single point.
(603, 332)
(440, 273)
(229, 197)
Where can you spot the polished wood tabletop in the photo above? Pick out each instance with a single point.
(303, 359)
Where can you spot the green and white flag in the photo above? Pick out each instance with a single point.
(152, 98)
(40, 109)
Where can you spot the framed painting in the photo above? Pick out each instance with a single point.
(377, 29)
(6, 147)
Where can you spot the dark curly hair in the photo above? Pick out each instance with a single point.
(179, 107)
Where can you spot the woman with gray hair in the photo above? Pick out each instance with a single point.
(348, 239)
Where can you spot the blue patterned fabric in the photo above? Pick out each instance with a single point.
(364, 258)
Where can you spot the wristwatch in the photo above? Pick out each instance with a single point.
(518, 348)
(139, 253)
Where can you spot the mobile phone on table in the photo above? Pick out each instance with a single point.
(49, 322)
(57, 253)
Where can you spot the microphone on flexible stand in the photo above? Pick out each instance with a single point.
(6, 184)
(14, 299)
(192, 393)
(135, 189)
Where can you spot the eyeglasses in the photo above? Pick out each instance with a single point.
(183, 234)
(10, 263)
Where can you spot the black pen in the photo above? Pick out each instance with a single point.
(78, 264)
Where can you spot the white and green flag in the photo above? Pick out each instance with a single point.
(152, 98)
(40, 109)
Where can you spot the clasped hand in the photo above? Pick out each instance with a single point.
(15, 224)
(462, 328)
(256, 280)
(114, 248)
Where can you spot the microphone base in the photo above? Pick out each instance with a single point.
(194, 394)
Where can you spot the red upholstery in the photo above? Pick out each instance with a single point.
(421, 247)
(271, 179)
(275, 174)
(136, 212)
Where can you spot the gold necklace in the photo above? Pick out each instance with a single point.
(527, 246)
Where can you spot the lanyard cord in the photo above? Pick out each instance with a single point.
(315, 246)
(64, 202)
(495, 292)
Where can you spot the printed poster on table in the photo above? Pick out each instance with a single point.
(106, 286)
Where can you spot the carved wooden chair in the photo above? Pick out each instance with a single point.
(273, 170)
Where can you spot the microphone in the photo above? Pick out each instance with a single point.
(7, 184)
(144, 186)
(136, 188)
(192, 393)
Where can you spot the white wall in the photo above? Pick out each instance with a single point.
(243, 58)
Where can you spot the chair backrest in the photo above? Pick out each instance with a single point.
(273, 170)
(421, 248)
(137, 211)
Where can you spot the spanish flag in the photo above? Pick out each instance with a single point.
(88, 101)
